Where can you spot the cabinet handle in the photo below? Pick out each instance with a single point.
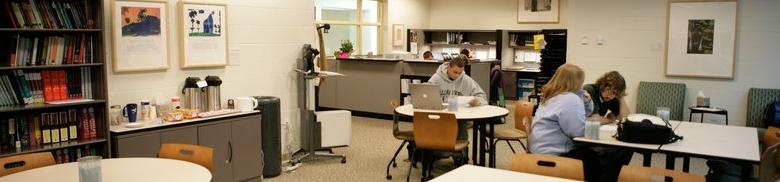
(230, 152)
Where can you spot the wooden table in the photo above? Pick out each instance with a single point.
(477, 173)
(483, 116)
(120, 170)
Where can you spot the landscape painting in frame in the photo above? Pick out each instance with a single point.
(700, 39)
(204, 35)
(139, 33)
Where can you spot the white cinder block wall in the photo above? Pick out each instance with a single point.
(634, 33)
(268, 34)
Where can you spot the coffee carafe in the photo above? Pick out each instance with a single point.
(212, 93)
(191, 93)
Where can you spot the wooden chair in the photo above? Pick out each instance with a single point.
(19, 163)
(434, 131)
(548, 165)
(405, 136)
(522, 122)
(646, 174)
(200, 155)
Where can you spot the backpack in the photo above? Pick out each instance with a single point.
(647, 129)
(772, 114)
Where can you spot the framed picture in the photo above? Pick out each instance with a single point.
(700, 39)
(538, 11)
(203, 35)
(140, 35)
(398, 34)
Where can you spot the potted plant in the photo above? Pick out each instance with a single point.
(345, 50)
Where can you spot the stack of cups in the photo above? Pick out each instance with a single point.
(592, 129)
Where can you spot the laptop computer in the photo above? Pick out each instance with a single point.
(426, 96)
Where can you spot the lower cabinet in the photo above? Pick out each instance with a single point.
(236, 143)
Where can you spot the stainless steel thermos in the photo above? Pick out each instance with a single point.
(203, 95)
(191, 93)
(212, 93)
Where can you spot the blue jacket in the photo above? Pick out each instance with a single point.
(556, 123)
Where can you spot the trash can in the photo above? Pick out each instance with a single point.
(271, 126)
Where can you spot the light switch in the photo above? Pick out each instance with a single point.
(600, 40)
(584, 40)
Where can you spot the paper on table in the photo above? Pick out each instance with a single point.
(608, 127)
(463, 101)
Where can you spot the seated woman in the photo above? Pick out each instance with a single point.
(609, 103)
(560, 118)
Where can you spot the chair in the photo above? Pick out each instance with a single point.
(19, 163)
(548, 165)
(661, 94)
(405, 136)
(522, 122)
(758, 100)
(434, 131)
(200, 155)
(768, 167)
(725, 171)
(646, 174)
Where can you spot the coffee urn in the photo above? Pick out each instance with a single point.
(212, 93)
(191, 93)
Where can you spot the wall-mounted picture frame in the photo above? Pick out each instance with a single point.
(700, 39)
(203, 40)
(398, 34)
(139, 33)
(538, 11)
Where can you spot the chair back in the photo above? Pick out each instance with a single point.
(758, 100)
(768, 167)
(200, 155)
(548, 165)
(661, 94)
(393, 105)
(19, 163)
(771, 136)
(523, 115)
(647, 174)
(435, 130)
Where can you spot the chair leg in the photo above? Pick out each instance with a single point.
(523, 145)
(392, 160)
(409, 171)
(510, 146)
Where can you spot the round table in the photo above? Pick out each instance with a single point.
(120, 170)
(484, 117)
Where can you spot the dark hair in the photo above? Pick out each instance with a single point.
(427, 54)
(613, 81)
(465, 52)
(460, 61)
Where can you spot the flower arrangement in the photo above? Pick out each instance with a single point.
(345, 50)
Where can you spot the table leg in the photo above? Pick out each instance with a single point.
(686, 164)
(647, 158)
(492, 147)
(482, 145)
(690, 116)
(475, 145)
(747, 172)
(670, 162)
(702, 118)
(727, 118)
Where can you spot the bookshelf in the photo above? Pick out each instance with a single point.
(442, 40)
(53, 51)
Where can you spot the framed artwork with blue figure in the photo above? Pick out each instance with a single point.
(203, 35)
(140, 35)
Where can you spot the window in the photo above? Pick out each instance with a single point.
(362, 28)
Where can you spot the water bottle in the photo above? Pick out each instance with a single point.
(452, 103)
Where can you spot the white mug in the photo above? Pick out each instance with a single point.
(246, 104)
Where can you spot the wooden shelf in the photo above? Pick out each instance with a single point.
(47, 30)
(459, 45)
(4, 109)
(49, 147)
(50, 66)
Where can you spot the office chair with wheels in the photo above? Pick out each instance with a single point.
(435, 131)
(405, 136)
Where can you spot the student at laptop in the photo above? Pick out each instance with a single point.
(608, 94)
(453, 82)
(428, 55)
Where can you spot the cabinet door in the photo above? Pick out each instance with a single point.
(139, 146)
(217, 136)
(188, 135)
(246, 148)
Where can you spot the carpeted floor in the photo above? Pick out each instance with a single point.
(373, 145)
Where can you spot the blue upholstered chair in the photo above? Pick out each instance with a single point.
(661, 94)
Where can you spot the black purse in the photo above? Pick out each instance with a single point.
(644, 131)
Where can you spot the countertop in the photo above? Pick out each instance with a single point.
(149, 124)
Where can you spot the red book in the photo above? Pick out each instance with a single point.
(84, 123)
(48, 91)
(63, 83)
(82, 49)
(9, 13)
